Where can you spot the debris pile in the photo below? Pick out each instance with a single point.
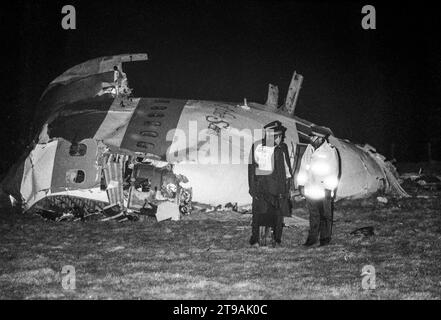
(136, 188)
(230, 207)
(69, 214)
(150, 188)
(364, 231)
(420, 181)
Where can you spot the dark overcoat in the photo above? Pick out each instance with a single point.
(270, 192)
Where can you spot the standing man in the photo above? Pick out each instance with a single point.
(317, 180)
(269, 173)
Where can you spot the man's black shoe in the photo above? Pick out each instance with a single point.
(309, 243)
(253, 241)
(324, 242)
(276, 244)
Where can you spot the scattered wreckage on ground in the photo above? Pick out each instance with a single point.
(98, 151)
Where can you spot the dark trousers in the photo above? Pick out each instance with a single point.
(320, 219)
(270, 216)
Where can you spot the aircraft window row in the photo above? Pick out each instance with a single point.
(152, 134)
(158, 107)
(155, 115)
(149, 133)
(145, 145)
(152, 123)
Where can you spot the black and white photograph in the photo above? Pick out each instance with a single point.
(239, 152)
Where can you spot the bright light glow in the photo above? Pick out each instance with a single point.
(301, 178)
(331, 182)
(320, 168)
(13, 201)
(314, 192)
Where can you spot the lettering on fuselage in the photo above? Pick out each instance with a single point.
(218, 120)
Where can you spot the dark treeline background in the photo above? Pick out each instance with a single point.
(378, 86)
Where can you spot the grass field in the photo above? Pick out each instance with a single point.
(207, 256)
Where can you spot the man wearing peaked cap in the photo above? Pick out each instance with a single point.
(274, 128)
(269, 174)
(318, 178)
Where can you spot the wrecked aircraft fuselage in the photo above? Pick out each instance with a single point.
(98, 145)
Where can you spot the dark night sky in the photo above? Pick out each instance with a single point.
(376, 86)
